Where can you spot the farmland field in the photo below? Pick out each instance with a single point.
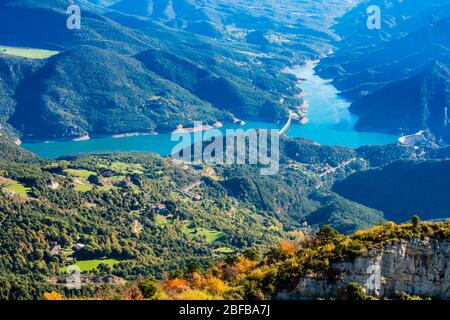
(13, 186)
(223, 250)
(81, 177)
(27, 52)
(87, 265)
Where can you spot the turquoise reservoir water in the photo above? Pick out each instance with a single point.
(330, 123)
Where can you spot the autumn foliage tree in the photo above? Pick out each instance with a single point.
(176, 285)
(287, 247)
(52, 296)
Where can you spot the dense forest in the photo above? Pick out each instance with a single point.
(397, 77)
(158, 77)
(274, 274)
(121, 216)
(143, 226)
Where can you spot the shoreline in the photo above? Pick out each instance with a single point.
(201, 128)
(82, 138)
(86, 138)
(133, 134)
(411, 140)
(193, 129)
(216, 125)
(300, 113)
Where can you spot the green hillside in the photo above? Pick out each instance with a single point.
(401, 189)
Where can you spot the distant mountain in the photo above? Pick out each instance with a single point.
(288, 26)
(398, 18)
(211, 82)
(416, 103)
(12, 153)
(103, 93)
(45, 28)
(365, 66)
(222, 77)
(138, 7)
(388, 74)
(103, 2)
(389, 60)
(166, 9)
(13, 70)
(197, 16)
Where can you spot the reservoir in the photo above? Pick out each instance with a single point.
(330, 123)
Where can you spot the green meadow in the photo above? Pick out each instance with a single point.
(27, 52)
(210, 235)
(223, 250)
(81, 177)
(13, 186)
(124, 168)
(88, 265)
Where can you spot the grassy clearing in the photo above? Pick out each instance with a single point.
(27, 52)
(18, 188)
(210, 235)
(161, 220)
(88, 265)
(12, 186)
(124, 168)
(107, 187)
(79, 173)
(81, 177)
(223, 250)
(115, 179)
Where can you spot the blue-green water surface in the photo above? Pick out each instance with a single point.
(330, 123)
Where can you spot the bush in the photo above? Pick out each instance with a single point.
(148, 288)
(52, 296)
(327, 233)
(251, 254)
(400, 295)
(415, 221)
(355, 292)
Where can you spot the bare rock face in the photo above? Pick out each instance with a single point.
(417, 267)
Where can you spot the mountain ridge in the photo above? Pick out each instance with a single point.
(413, 104)
(370, 67)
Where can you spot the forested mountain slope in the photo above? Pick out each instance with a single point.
(371, 67)
(414, 103)
(152, 65)
(66, 100)
(223, 78)
(45, 27)
(401, 189)
(141, 214)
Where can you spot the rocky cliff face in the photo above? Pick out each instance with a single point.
(417, 267)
